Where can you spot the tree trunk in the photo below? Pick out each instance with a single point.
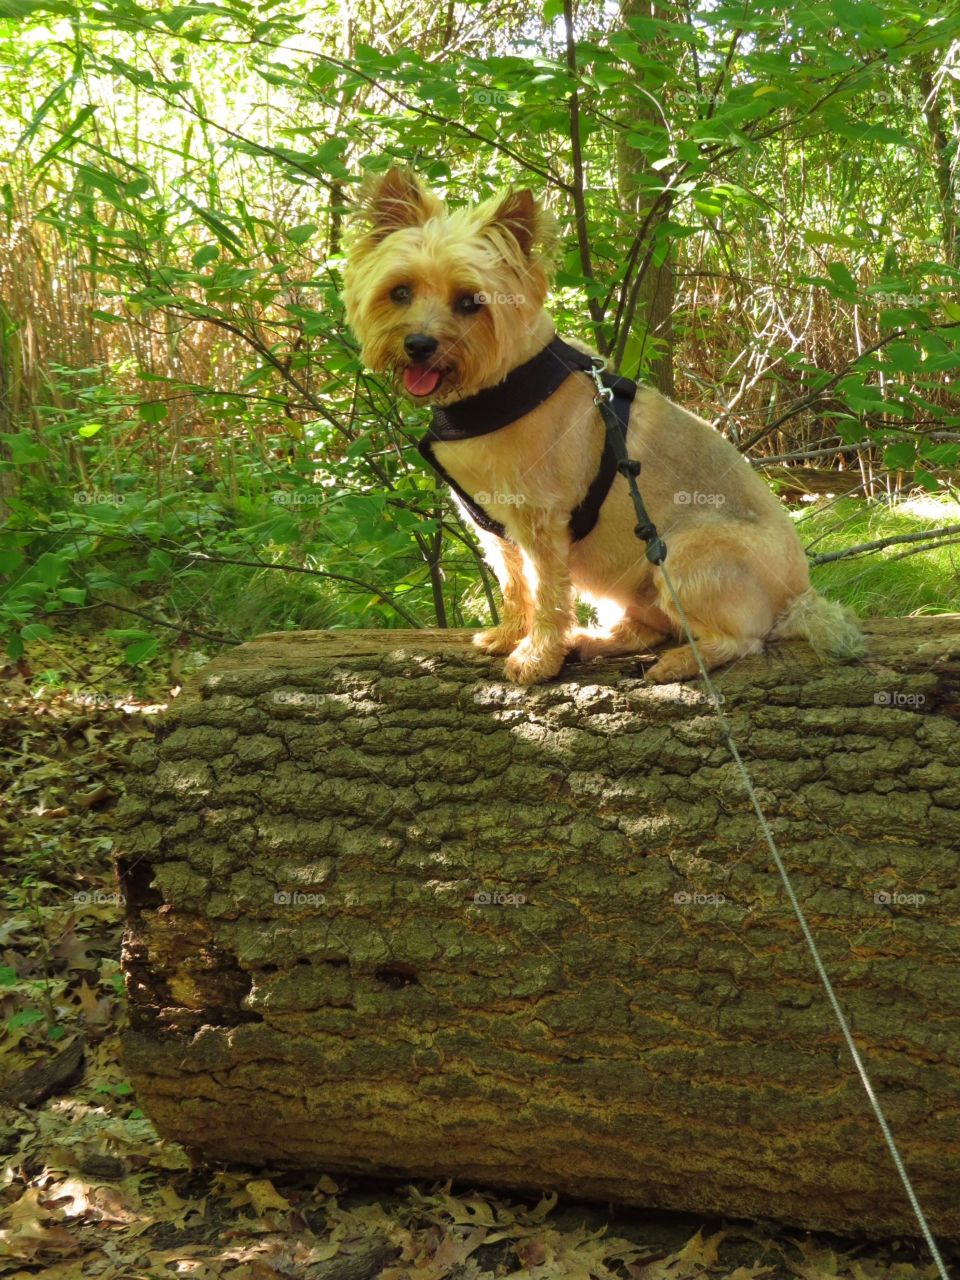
(388, 914)
(943, 154)
(636, 184)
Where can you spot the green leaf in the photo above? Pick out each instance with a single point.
(66, 137)
(840, 275)
(903, 357)
(301, 234)
(203, 257)
(836, 239)
(925, 480)
(707, 205)
(23, 449)
(89, 429)
(25, 1018)
(942, 454)
(140, 651)
(35, 631)
(49, 568)
(897, 457)
(8, 10)
(10, 559)
(17, 9)
(152, 411)
(229, 239)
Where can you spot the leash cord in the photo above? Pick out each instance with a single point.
(656, 553)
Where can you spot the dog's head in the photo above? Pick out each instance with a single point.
(446, 303)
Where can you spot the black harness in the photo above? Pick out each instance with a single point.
(521, 391)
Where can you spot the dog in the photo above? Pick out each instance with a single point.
(450, 306)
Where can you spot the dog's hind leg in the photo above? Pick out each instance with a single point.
(636, 632)
(730, 591)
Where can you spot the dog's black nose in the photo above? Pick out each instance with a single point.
(419, 346)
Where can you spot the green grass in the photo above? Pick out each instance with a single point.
(242, 602)
(885, 583)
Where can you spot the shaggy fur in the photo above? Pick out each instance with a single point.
(475, 281)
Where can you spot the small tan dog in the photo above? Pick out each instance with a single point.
(451, 305)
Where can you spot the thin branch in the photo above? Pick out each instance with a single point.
(806, 401)
(831, 450)
(830, 556)
(380, 592)
(930, 546)
(158, 622)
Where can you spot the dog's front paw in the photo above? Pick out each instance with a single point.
(676, 664)
(531, 665)
(501, 639)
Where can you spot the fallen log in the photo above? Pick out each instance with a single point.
(388, 914)
(792, 483)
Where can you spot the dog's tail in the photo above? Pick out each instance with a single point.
(830, 629)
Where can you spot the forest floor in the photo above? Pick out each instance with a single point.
(88, 1189)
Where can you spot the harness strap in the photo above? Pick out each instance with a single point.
(476, 512)
(629, 467)
(524, 389)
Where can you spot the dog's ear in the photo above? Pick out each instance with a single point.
(517, 212)
(533, 227)
(395, 199)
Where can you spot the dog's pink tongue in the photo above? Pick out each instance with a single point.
(420, 381)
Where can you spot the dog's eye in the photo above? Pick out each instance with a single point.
(401, 293)
(468, 303)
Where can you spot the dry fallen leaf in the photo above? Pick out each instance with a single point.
(264, 1197)
(26, 1237)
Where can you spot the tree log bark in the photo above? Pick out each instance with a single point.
(388, 914)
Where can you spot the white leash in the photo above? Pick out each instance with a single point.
(656, 554)
(818, 962)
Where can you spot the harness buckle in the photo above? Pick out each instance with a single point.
(604, 394)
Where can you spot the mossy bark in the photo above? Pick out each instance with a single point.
(321, 973)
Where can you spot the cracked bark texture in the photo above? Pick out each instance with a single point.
(321, 974)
